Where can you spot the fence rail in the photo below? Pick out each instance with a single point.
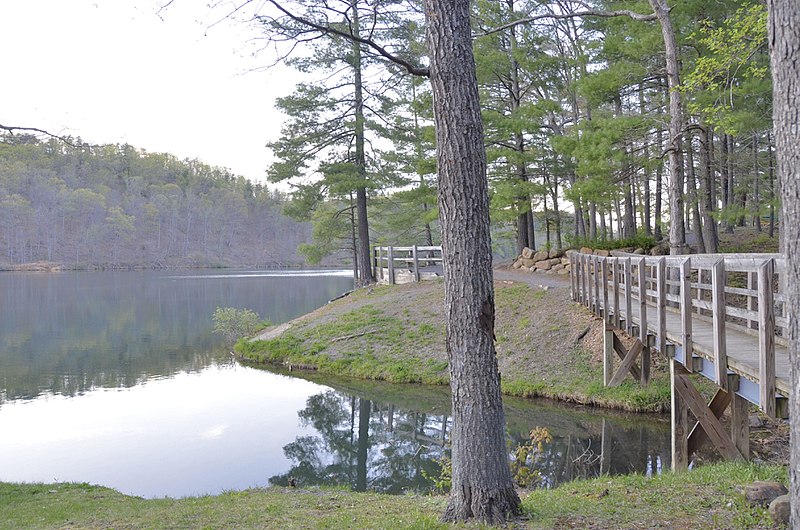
(716, 314)
(407, 264)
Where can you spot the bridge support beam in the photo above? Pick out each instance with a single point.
(686, 398)
(612, 344)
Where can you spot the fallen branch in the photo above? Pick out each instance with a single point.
(354, 335)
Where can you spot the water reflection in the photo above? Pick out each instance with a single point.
(66, 333)
(391, 439)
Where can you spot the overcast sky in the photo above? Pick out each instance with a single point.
(113, 71)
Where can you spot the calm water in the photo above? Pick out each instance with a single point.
(116, 379)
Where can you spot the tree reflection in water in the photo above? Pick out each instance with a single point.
(365, 441)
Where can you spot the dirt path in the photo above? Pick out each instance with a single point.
(534, 279)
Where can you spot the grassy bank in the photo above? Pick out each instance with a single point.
(547, 346)
(710, 497)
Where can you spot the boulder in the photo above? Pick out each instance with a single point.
(602, 253)
(539, 256)
(527, 253)
(517, 264)
(554, 261)
(526, 262)
(555, 253)
(543, 265)
(557, 267)
(563, 271)
(565, 261)
(639, 250)
(586, 250)
(662, 249)
(780, 509)
(762, 492)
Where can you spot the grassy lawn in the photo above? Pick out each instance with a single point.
(709, 497)
(547, 346)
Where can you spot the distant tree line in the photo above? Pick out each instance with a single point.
(109, 206)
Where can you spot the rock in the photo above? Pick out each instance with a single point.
(543, 265)
(565, 261)
(755, 421)
(526, 262)
(639, 250)
(557, 267)
(517, 265)
(780, 509)
(554, 261)
(602, 253)
(763, 492)
(563, 271)
(554, 253)
(539, 256)
(527, 253)
(662, 249)
(586, 250)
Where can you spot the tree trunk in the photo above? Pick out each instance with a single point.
(659, 188)
(771, 186)
(677, 229)
(694, 207)
(710, 236)
(784, 29)
(756, 186)
(482, 486)
(364, 263)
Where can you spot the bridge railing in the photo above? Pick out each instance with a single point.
(390, 261)
(741, 292)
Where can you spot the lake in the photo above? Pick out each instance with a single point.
(115, 378)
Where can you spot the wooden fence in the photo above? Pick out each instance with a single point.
(407, 264)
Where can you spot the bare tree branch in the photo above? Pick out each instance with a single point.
(326, 29)
(12, 128)
(588, 13)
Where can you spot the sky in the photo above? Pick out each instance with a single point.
(117, 71)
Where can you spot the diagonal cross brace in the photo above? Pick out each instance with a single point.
(628, 363)
(706, 418)
(717, 406)
(622, 352)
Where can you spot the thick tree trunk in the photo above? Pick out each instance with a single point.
(771, 158)
(677, 229)
(482, 486)
(659, 189)
(364, 262)
(784, 30)
(694, 207)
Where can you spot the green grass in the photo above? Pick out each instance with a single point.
(709, 497)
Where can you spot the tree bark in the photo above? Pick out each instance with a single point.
(677, 229)
(364, 263)
(482, 486)
(784, 38)
(710, 236)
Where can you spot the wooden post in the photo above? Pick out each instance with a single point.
(766, 338)
(416, 262)
(606, 312)
(596, 271)
(740, 424)
(628, 296)
(752, 278)
(585, 280)
(718, 323)
(390, 259)
(686, 312)
(661, 283)
(615, 286)
(380, 261)
(608, 354)
(680, 422)
(643, 321)
(572, 278)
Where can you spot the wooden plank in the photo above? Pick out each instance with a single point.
(585, 280)
(686, 312)
(608, 354)
(625, 366)
(628, 296)
(740, 425)
(416, 263)
(643, 328)
(718, 324)
(717, 406)
(380, 260)
(711, 425)
(766, 338)
(680, 423)
(391, 265)
(615, 289)
(604, 269)
(661, 311)
(572, 277)
(596, 272)
(619, 348)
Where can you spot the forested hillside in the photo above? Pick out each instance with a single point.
(86, 206)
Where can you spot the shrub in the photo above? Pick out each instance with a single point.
(235, 323)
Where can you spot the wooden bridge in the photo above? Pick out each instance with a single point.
(719, 315)
(407, 264)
